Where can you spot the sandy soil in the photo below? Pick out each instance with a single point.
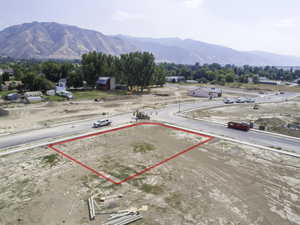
(276, 115)
(34, 116)
(26, 117)
(220, 183)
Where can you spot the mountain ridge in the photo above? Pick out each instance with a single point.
(51, 40)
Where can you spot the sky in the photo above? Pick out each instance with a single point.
(264, 25)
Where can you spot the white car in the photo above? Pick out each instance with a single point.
(101, 123)
(65, 94)
(250, 100)
(228, 101)
(240, 100)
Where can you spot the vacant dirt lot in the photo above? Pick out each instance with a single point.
(34, 116)
(220, 183)
(274, 115)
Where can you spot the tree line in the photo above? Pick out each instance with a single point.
(216, 73)
(136, 70)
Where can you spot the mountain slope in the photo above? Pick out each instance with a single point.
(53, 40)
(190, 51)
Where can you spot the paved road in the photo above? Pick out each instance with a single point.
(167, 114)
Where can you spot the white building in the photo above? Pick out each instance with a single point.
(175, 79)
(62, 86)
(264, 80)
(205, 92)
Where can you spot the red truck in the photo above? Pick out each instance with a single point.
(238, 126)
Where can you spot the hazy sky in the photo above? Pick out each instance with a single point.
(267, 25)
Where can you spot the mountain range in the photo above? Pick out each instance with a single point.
(49, 40)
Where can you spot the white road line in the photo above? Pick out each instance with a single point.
(241, 142)
(21, 149)
(174, 125)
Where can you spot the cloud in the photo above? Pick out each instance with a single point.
(286, 23)
(193, 4)
(121, 16)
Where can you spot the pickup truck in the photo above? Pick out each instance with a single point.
(238, 126)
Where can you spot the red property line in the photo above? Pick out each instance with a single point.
(124, 127)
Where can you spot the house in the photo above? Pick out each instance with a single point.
(106, 83)
(175, 79)
(10, 85)
(205, 92)
(264, 80)
(61, 86)
(10, 71)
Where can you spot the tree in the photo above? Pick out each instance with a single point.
(65, 70)
(243, 78)
(255, 79)
(51, 71)
(75, 79)
(41, 84)
(94, 65)
(159, 76)
(221, 79)
(146, 70)
(28, 80)
(5, 76)
(138, 69)
(34, 82)
(229, 78)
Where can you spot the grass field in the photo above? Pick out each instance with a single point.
(3, 93)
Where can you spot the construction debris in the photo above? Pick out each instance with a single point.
(125, 219)
(91, 207)
(121, 217)
(110, 197)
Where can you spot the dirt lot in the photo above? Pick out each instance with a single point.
(219, 183)
(34, 116)
(275, 116)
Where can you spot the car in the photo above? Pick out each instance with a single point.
(240, 100)
(65, 94)
(101, 123)
(228, 101)
(250, 100)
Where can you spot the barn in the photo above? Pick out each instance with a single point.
(106, 83)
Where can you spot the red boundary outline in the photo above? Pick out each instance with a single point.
(51, 146)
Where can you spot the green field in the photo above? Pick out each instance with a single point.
(3, 93)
